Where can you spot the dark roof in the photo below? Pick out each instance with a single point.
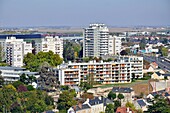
(95, 101)
(158, 73)
(98, 100)
(83, 106)
(167, 94)
(49, 111)
(141, 103)
(158, 92)
(166, 74)
(122, 90)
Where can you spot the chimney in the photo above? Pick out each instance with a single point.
(100, 98)
(127, 109)
(87, 100)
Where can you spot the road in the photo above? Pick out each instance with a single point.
(162, 63)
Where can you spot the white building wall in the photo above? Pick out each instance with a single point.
(15, 49)
(50, 43)
(95, 43)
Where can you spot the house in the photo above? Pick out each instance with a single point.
(128, 93)
(154, 65)
(162, 93)
(81, 108)
(143, 105)
(160, 76)
(124, 110)
(96, 105)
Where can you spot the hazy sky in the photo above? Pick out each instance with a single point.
(82, 12)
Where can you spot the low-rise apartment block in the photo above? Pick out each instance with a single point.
(12, 74)
(119, 71)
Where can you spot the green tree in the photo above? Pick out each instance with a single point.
(1, 79)
(116, 104)
(8, 96)
(90, 79)
(120, 96)
(160, 106)
(133, 77)
(71, 50)
(66, 100)
(109, 108)
(16, 84)
(111, 95)
(130, 105)
(23, 78)
(33, 62)
(30, 88)
(164, 51)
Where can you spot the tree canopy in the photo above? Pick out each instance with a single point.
(21, 100)
(111, 95)
(72, 50)
(109, 108)
(33, 62)
(66, 100)
(160, 105)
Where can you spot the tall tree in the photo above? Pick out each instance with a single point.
(164, 51)
(160, 105)
(66, 100)
(111, 95)
(1, 79)
(120, 97)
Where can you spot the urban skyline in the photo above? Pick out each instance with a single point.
(18, 13)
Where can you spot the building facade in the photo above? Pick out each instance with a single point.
(12, 74)
(95, 42)
(114, 47)
(119, 71)
(15, 49)
(50, 43)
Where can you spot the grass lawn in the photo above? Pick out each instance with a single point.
(124, 84)
(139, 86)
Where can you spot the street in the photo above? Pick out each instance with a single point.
(162, 63)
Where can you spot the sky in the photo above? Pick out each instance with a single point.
(19, 13)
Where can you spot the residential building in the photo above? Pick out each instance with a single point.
(15, 49)
(119, 71)
(96, 105)
(114, 47)
(142, 104)
(127, 92)
(95, 42)
(124, 110)
(160, 76)
(50, 43)
(12, 74)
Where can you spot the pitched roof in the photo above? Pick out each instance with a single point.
(158, 73)
(83, 106)
(98, 100)
(122, 90)
(154, 64)
(141, 102)
(166, 94)
(123, 110)
(166, 74)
